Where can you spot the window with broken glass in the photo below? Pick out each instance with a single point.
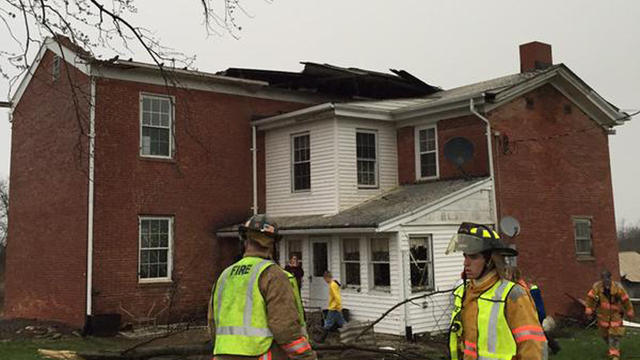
(380, 266)
(421, 263)
(155, 248)
(351, 262)
(156, 126)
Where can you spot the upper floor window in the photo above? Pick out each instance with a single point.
(582, 233)
(380, 265)
(55, 68)
(366, 157)
(351, 261)
(156, 126)
(421, 263)
(427, 153)
(301, 159)
(155, 247)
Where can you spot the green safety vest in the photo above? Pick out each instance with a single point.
(495, 340)
(244, 330)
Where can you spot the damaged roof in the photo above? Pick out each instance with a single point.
(345, 83)
(402, 200)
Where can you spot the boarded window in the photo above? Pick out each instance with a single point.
(301, 158)
(155, 248)
(380, 266)
(156, 129)
(351, 261)
(582, 232)
(421, 263)
(366, 159)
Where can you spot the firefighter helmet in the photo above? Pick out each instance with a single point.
(260, 228)
(475, 238)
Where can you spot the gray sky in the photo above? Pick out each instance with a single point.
(445, 43)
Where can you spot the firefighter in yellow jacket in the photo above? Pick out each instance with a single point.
(493, 318)
(255, 311)
(610, 302)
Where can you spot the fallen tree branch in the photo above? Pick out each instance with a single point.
(398, 305)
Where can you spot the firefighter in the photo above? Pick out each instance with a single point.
(255, 311)
(610, 303)
(493, 318)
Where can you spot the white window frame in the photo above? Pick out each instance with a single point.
(289, 243)
(344, 262)
(375, 185)
(418, 153)
(169, 249)
(171, 127)
(293, 162)
(372, 284)
(575, 221)
(428, 262)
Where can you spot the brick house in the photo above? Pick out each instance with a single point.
(138, 183)
(365, 189)
(121, 174)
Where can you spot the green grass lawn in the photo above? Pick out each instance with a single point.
(28, 349)
(587, 345)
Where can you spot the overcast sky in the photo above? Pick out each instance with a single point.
(446, 43)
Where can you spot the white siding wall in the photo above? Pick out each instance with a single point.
(349, 194)
(321, 199)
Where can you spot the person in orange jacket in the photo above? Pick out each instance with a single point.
(610, 302)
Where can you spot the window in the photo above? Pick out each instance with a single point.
(156, 237)
(421, 263)
(582, 232)
(55, 68)
(427, 154)
(320, 258)
(301, 154)
(295, 248)
(366, 157)
(351, 262)
(380, 264)
(156, 126)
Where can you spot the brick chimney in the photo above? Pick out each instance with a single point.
(535, 56)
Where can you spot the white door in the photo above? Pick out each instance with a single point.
(319, 263)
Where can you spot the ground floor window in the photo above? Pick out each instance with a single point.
(421, 262)
(351, 262)
(155, 243)
(295, 249)
(380, 266)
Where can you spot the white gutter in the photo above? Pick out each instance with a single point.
(92, 118)
(254, 159)
(490, 155)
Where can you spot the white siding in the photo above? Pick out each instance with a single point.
(475, 208)
(349, 193)
(321, 199)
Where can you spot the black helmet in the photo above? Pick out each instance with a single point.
(475, 238)
(260, 224)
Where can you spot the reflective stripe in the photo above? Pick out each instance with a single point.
(591, 294)
(266, 356)
(299, 348)
(220, 285)
(615, 352)
(607, 324)
(625, 297)
(533, 336)
(248, 305)
(243, 330)
(470, 349)
(470, 344)
(606, 305)
(492, 334)
(488, 358)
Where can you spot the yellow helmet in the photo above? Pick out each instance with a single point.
(474, 238)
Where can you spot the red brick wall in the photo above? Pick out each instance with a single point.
(471, 128)
(208, 185)
(46, 254)
(406, 155)
(556, 166)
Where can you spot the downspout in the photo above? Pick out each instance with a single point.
(490, 155)
(92, 118)
(254, 155)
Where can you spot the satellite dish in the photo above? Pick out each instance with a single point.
(510, 226)
(458, 150)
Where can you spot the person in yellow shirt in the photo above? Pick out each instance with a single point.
(334, 318)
